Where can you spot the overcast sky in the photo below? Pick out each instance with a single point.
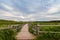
(30, 10)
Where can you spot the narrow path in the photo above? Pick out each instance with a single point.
(24, 34)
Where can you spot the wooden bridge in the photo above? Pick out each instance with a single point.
(25, 34)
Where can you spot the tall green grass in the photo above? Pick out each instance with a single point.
(7, 34)
(46, 36)
(50, 28)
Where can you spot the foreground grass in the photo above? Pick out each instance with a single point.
(7, 34)
(48, 36)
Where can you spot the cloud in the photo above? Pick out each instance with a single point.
(30, 10)
(11, 14)
(7, 14)
(54, 8)
(8, 7)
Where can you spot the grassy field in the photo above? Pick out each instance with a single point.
(48, 35)
(9, 34)
(5, 23)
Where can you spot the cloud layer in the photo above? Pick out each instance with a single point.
(30, 10)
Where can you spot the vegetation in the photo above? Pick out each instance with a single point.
(50, 28)
(8, 33)
(46, 22)
(48, 35)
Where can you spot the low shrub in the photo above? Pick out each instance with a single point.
(7, 34)
(48, 36)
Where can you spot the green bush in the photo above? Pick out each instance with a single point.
(30, 30)
(48, 36)
(7, 34)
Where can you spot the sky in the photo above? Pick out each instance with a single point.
(30, 10)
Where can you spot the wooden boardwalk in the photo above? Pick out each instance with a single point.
(24, 34)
